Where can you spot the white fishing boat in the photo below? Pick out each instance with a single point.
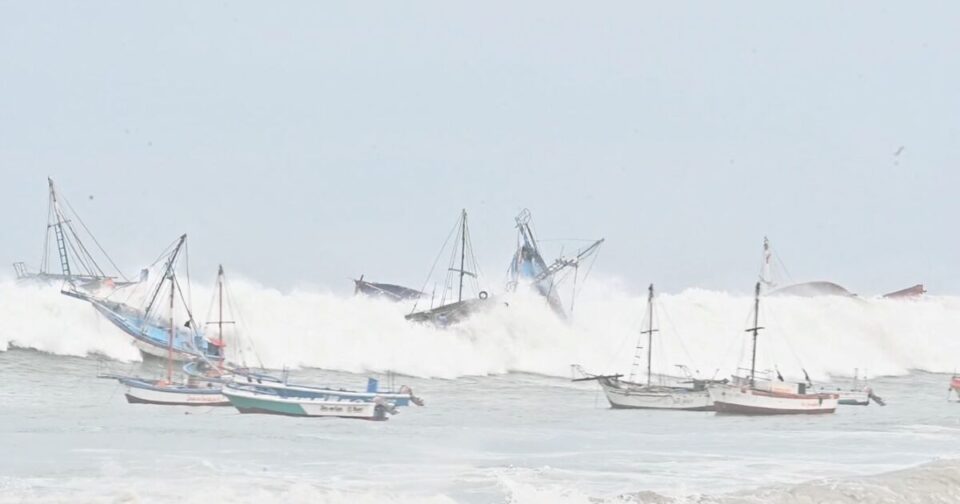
(858, 393)
(673, 393)
(141, 391)
(249, 399)
(748, 395)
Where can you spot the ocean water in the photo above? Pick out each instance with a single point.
(502, 422)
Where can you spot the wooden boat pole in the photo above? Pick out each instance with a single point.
(463, 250)
(649, 334)
(173, 289)
(755, 329)
(220, 320)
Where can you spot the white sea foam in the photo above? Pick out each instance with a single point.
(705, 329)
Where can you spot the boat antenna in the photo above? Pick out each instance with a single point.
(649, 332)
(755, 330)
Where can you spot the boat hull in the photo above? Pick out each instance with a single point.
(248, 401)
(139, 392)
(854, 398)
(658, 398)
(742, 400)
(303, 392)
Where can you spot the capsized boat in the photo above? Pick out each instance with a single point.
(390, 292)
(527, 267)
(150, 333)
(457, 278)
(672, 393)
(748, 395)
(79, 264)
(250, 399)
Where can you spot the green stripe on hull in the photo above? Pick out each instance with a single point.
(245, 404)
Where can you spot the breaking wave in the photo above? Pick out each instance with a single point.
(705, 329)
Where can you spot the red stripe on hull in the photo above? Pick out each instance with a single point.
(737, 409)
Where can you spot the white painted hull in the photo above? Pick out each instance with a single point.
(249, 401)
(744, 400)
(854, 398)
(662, 398)
(161, 353)
(173, 397)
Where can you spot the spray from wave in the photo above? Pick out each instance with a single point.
(702, 329)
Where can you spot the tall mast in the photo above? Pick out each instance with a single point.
(220, 318)
(755, 330)
(173, 288)
(649, 332)
(463, 250)
(58, 230)
(167, 271)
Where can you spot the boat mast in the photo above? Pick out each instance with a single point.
(58, 230)
(173, 288)
(649, 332)
(755, 330)
(220, 318)
(463, 250)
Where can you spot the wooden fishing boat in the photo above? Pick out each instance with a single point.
(80, 266)
(160, 392)
(166, 391)
(390, 292)
(751, 396)
(249, 399)
(674, 393)
(458, 276)
(528, 268)
(151, 334)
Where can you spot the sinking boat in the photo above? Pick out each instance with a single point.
(527, 267)
(672, 393)
(153, 335)
(913, 292)
(818, 287)
(79, 264)
(748, 395)
(390, 292)
(461, 273)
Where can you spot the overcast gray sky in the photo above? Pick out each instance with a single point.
(305, 142)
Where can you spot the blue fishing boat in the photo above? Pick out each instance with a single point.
(152, 335)
(529, 268)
